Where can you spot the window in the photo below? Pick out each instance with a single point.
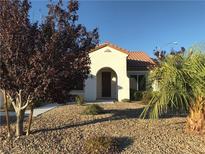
(138, 82)
(141, 83)
(79, 86)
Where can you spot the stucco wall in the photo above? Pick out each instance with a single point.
(108, 58)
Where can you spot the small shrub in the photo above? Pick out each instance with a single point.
(125, 100)
(101, 144)
(93, 109)
(79, 100)
(136, 95)
(71, 98)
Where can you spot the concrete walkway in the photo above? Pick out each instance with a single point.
(42, 109)
(101, 102)
(2, 113)
(47, 107)
(36, 111)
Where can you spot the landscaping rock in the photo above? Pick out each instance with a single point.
(65, 130)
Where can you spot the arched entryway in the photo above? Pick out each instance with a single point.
(106, 84)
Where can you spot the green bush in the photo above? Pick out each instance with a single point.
(136, 95)
(101, 144)
(93, 109)
(79, 100)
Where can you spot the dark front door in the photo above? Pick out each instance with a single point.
(106, 84)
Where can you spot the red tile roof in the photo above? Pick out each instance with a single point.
(135, 58)
(140, 57)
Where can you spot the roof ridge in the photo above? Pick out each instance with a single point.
(112, 46)
(108, 43)
(132, 55)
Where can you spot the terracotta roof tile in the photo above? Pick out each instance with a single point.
(140, 56)
(135, 58)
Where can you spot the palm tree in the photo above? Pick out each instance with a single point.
(181, 80)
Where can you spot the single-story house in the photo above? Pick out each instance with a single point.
(113, 72)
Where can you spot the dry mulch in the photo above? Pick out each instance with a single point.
(64, 130)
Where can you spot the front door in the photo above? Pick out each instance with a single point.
(106, 84)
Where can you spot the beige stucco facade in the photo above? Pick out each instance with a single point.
(114, 73)
(107, 59)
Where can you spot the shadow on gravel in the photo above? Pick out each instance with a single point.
(166, 116)
(174, 114)
(116, 115)
(124, 142)
(12, 119)
(106, 144)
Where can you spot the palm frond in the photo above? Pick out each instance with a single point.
(181, 79)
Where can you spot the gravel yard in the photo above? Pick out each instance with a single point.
(64, 130)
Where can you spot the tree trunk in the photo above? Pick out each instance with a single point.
(19, 122)
(7, 114)
(196, 117)
(30, 120)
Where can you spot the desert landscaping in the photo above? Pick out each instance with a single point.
(65, 130)
(102, 77)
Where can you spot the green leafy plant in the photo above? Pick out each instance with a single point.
(79, 100)
(101, 145)
(93, 109)
(181, 80)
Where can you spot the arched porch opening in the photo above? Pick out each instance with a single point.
(106, 84)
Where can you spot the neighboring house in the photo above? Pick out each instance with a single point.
(113, 72)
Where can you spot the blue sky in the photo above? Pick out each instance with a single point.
(140, 25)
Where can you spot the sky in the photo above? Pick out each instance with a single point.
(140, 25)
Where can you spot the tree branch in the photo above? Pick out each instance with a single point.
(12, 101)
(20, 100)
(27, 102)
